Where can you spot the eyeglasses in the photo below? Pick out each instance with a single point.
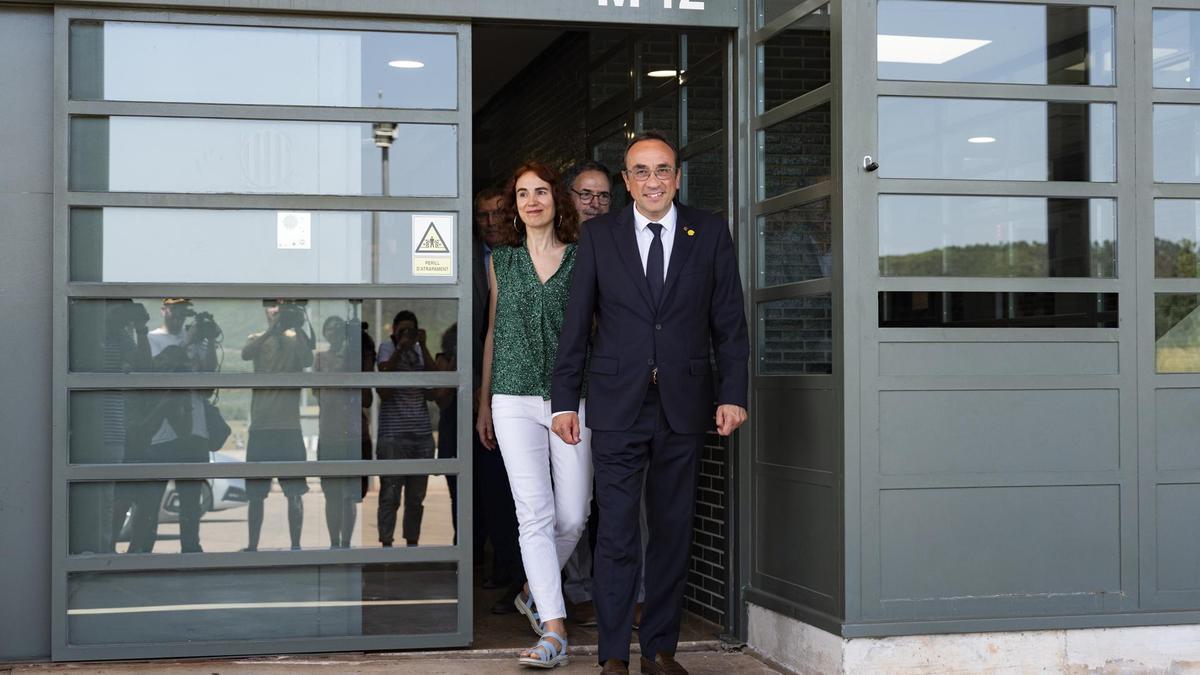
(642, 174)
(494, 213)
(587, 196)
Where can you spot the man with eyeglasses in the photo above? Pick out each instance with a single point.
(591, 188)
(660, 282)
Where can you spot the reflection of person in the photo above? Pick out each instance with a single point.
(495, 513)
(591, 195)
(551, 481)
(447, 402)
(661, 283)
(182, 434)
(405, 431)
(103, 505)
(275, 436)
(342, 432)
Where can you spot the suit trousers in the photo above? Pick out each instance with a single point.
(669, 465)
(551, 487)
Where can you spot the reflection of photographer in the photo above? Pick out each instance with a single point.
(177, 422)
(405, 431)
(447, 401)
(286, 346)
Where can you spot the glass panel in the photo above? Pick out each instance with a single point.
(937, 309)
(700, 46)
(996, 139)
(1176, 41)
(212, 515)
(212, 335)
(662, 116)
(704, 103)
(610, 78)
(1177, 143)
(796, 152)
(992, 42)
(1177, 333)
(167, 246)
(267, 66)
(283, 603)
(263, 425)
(940, 236)
(704, 181)
(1177, 238)
(161, 154)
(796, 245)
(658, 61)
(796, 61)
(795, 336)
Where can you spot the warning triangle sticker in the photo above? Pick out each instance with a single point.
(432, 242)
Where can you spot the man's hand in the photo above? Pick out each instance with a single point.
(729, 418)
(566, 426)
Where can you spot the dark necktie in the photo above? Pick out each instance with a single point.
(654, 264)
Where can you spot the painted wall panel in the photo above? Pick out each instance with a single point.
(795, 428)
(1178, 537)
(950, 432)
(802, 561)
(25, 293)
(1177, 426)
(998, 543)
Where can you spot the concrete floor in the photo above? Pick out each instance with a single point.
(461, 663)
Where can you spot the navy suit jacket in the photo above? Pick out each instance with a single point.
(701, 313)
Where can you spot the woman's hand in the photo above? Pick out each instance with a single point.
(483, 426)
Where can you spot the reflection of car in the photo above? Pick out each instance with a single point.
(216, 494)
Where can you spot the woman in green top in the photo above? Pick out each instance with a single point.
(551, 481)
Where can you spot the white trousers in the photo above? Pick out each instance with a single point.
(551, 485)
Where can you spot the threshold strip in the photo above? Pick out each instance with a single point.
(258, 605)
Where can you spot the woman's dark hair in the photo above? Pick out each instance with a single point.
(566, 221)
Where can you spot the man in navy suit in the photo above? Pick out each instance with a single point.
(660, 283)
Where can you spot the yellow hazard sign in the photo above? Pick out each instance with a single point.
(432, 241)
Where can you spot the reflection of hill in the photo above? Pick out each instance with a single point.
(1018, 259)
(1175, 258)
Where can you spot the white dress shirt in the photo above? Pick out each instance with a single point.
(645, 236)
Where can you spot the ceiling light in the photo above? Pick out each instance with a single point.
(662, 73)
(981, 139)
(406, 64)
(924, 50)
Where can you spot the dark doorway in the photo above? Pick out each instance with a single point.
(563, 94)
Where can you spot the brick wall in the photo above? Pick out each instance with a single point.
(539, 115)
(796, 336)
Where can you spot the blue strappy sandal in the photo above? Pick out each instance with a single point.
(546, 654)
(530, 612)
